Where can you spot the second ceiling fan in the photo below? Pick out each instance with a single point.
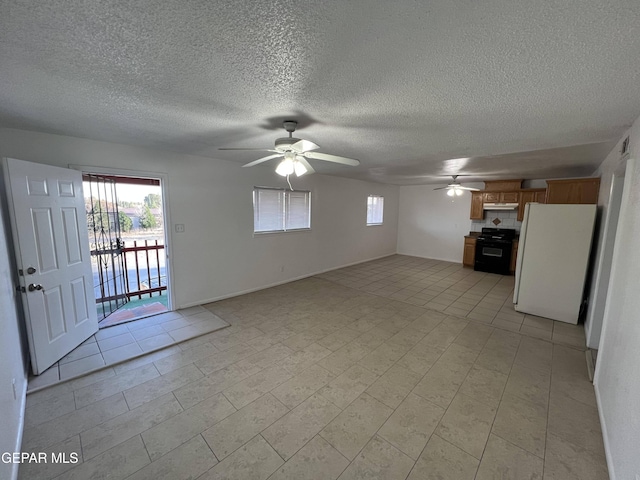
(455, 188)
(294, 153)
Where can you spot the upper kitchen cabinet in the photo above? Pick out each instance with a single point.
(493, 195)
(477, 212)
(531, 195)
(501, 197)
(575, 190)
(502, 185)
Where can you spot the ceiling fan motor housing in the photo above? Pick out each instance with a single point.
(284, 144)
(296, 155)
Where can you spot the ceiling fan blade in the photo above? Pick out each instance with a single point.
(469, 188)
(250, 149)
(332, 158)
(440, 188)
(263, 159)
(302, 146)
(306, 164)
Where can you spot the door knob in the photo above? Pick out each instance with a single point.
(33, 287)
(31, 270)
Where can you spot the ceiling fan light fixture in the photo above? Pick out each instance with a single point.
(296, 152)
(299, 168)
(285, 167)
(454, 189)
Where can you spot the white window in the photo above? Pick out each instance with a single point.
(375, 209)
(278, 210)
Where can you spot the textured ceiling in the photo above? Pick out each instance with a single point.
(414, 89)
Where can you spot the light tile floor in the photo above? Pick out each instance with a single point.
(112, 345)
(454, 290)
(318, 379)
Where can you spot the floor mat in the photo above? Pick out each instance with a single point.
(128, 314)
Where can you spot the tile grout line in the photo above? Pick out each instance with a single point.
(395, 363)
(104, 367)
(498, 407)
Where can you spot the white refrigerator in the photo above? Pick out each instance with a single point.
(553, 256)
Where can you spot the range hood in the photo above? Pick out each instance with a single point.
(500, 206)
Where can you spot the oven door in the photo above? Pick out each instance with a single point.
(493, 257)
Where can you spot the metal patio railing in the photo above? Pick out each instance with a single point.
(147, 281)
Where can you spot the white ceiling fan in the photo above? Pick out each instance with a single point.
(295, 153)
(455, 188)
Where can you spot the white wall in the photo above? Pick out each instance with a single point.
(617, 381)
(12, 354)
(218, 255)
(430, 225)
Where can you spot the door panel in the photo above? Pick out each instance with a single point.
(79, 293)
(52, 250)
(37, 186)
(65, 189)
(54, 313)
(71, 236)
(43, 233)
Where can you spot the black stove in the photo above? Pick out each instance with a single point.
(497, 235)
(493, 250)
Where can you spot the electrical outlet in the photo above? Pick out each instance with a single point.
(179, 227)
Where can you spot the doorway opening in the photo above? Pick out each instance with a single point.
(126, 222)
(595, 319)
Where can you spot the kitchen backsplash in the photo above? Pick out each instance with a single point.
(507, 220)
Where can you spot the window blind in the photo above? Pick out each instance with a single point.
(276, 210)
(375, 209)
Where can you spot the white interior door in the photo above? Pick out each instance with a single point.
(47, 211)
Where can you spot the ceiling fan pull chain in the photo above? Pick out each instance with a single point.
(289, 183)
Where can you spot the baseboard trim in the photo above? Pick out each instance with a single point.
(458, 261)
(275, 284)
(605, 436)
(20, 433)
(591, 366)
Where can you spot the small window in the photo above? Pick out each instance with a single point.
(375, 209)
(278, 210)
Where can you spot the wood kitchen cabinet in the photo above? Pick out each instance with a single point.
(514, 255)
(573, 190)
(469, 254)
(477, 213)
(502, 185)
(491, 197)
(500, 197)
(530, 195)
(509, 197)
